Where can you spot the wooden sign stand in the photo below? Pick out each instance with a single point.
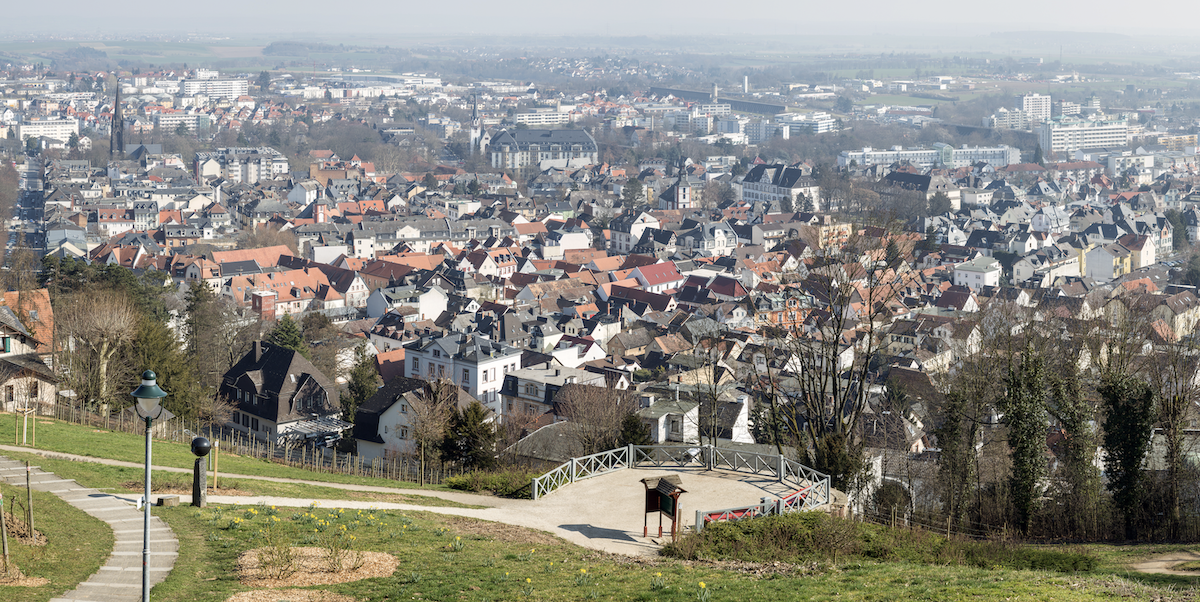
(662, 497)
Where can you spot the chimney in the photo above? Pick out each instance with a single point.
(258, 350)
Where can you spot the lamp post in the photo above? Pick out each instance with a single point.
(147, 406)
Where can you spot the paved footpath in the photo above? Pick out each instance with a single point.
(602, 513)
(120, 580)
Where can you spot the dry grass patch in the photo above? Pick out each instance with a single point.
(312, 568)
(289, 595)
(18, 530)
(15, 578)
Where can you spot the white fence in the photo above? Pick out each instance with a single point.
(812, 487)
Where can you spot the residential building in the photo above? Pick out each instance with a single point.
(279, 395)
(219, 88)
(529, 392)
(475, 363)
(977, 273)
(941, 154)
(1068, 134)
(1036, 105)
(241, 164)
(539, 149)
(774, 183)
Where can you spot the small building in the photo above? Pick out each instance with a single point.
(278, 395)
(977, 273)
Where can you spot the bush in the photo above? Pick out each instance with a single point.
(816, 536)
(509, 483)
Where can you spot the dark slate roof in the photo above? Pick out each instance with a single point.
(366, 419)
(277, 374)
(524, 138)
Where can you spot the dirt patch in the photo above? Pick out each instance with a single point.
(18, 529)
(1166, 564)
(289, 595)
(15, 578)
(498, 531)
(313, 569)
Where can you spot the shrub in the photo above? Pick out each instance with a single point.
(510, 483)
(815, 536)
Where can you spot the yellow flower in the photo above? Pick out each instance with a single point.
(658, 574)
(702, 586)
(584, 571)
(528, 580)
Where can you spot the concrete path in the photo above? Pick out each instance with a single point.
(602, 513)
(120, 580)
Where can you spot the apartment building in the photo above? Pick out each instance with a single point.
(476, 364)
(217, 88)
(241, 164)
(58, 128)
(1037, 105)
(542, 118)
(940, 155)
(1068, 134)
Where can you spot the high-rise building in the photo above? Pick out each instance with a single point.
(1068, 134)
(1037, 105)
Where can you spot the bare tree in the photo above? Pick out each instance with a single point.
(429, 415)
(99, 325)
(594, 415)
(831, 364)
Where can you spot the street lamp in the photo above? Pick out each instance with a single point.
(148, 408)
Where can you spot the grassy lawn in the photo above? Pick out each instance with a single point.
(76, 546)
(56, 435)
(497, 562)
(129, 480)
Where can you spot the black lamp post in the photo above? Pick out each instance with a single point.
(148, 407)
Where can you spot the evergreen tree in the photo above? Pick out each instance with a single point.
(470, 438)
(1079, 487)
(1038, 156)
(1024, 407)
(633, 431)
(364, 381)
(204, 321)
(287, 334)
(892, 254)
(1128, 421)
(632, 193)
(956, 464)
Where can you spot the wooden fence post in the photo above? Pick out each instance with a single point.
(28, 499)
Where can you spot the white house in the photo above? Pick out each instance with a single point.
(977, 273)
(475, 363)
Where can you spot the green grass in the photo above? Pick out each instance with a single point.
(495, 562)
(124, 479)
(76, 546)
(60, 436)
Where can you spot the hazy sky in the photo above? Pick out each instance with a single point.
(615, 17)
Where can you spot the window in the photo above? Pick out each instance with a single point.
(385, 429)
(404, 408)
(466, 377)
(430, 370)
(485, 376)
(437, 353)
(404, 432)
(416, 369)
(441, 371)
